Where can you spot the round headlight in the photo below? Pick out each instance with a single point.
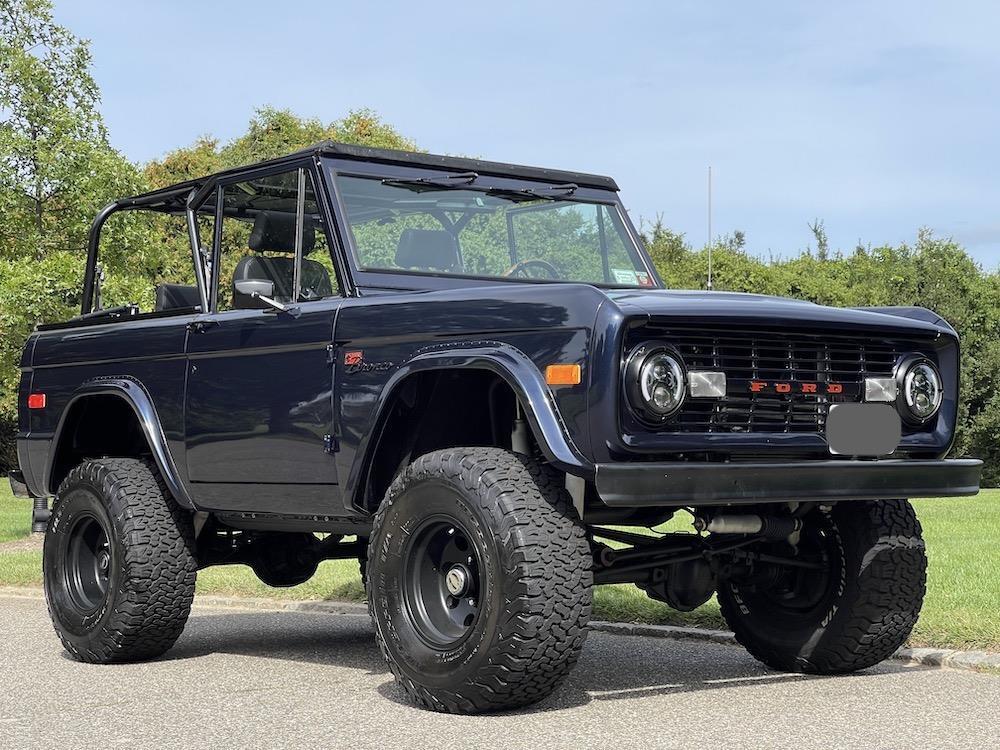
(654, 381)
(922, 390)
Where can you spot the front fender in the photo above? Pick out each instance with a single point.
(132, 392)
(518, 371)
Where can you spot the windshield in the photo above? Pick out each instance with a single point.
(443, 225)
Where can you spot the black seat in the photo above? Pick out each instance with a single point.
(274, 231)
(428, 250)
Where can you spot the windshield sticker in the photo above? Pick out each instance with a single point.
(644, 278)
(624, 276)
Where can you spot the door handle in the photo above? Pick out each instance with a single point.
(200, 326)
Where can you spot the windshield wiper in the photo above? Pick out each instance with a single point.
(420, 184)
(465, 179)
(550, 193)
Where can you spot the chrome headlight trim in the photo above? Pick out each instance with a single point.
(920, 389)
(655, 381)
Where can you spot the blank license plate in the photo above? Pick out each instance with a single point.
(863, 429)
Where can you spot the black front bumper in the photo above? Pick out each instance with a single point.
(627, 485)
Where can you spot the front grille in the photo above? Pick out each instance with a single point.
(771, 357)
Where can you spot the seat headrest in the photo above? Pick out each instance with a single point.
(427, 249)
(275, 231)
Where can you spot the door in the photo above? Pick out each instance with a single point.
(258, 405)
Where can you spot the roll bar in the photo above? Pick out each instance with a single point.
(171, 200)
(93, 241)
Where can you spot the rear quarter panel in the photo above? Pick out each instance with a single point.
(150, 351)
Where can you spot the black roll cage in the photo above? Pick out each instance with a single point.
(323, 161)
(186, 198)
(173, 200)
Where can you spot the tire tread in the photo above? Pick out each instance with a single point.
(157, 539)
(888, 591)
(544, 627)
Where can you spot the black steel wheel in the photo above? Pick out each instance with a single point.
(851, 603)
(118, 563)
(479, 580)
(441, 582)
(86, 564)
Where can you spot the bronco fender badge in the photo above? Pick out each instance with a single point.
(354, 361)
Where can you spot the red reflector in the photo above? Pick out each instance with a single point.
(36, 401)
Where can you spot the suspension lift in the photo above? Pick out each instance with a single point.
(683, 569)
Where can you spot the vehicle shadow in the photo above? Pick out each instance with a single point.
(612, 667)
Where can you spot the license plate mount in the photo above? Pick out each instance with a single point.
(868, 430)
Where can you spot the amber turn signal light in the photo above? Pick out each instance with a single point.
(562, 375)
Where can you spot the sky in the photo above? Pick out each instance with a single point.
(876, 118)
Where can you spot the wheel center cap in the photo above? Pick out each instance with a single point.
(457, 580)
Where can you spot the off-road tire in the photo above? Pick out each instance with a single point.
(871, 609)
(538, 564)
(152, 570)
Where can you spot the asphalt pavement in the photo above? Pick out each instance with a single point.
(262, 679)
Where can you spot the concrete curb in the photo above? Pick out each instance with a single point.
(210, 601)
(283, 605)
(665, 631)
(975, 661)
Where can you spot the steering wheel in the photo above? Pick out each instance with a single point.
(524, 265)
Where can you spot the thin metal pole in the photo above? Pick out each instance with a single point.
(300, 211)
(710, 226)
(199, 261)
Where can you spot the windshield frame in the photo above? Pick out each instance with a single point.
(413, 280)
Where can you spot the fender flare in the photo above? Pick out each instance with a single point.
(132, 392)
(512, 366)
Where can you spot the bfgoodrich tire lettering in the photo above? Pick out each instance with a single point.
(139, 609)
(532, 566)
(876, 584)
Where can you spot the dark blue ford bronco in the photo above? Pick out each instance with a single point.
(468, 376)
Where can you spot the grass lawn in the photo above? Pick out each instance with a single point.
(962, 608)
(15, 514)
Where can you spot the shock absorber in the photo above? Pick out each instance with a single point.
(40, 515)
(769, 527)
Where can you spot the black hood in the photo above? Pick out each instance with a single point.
(758, 309)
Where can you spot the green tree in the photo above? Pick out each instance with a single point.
(56, 170)
(182, 164)
(55, 162)
(669, 251)
(272, 133)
